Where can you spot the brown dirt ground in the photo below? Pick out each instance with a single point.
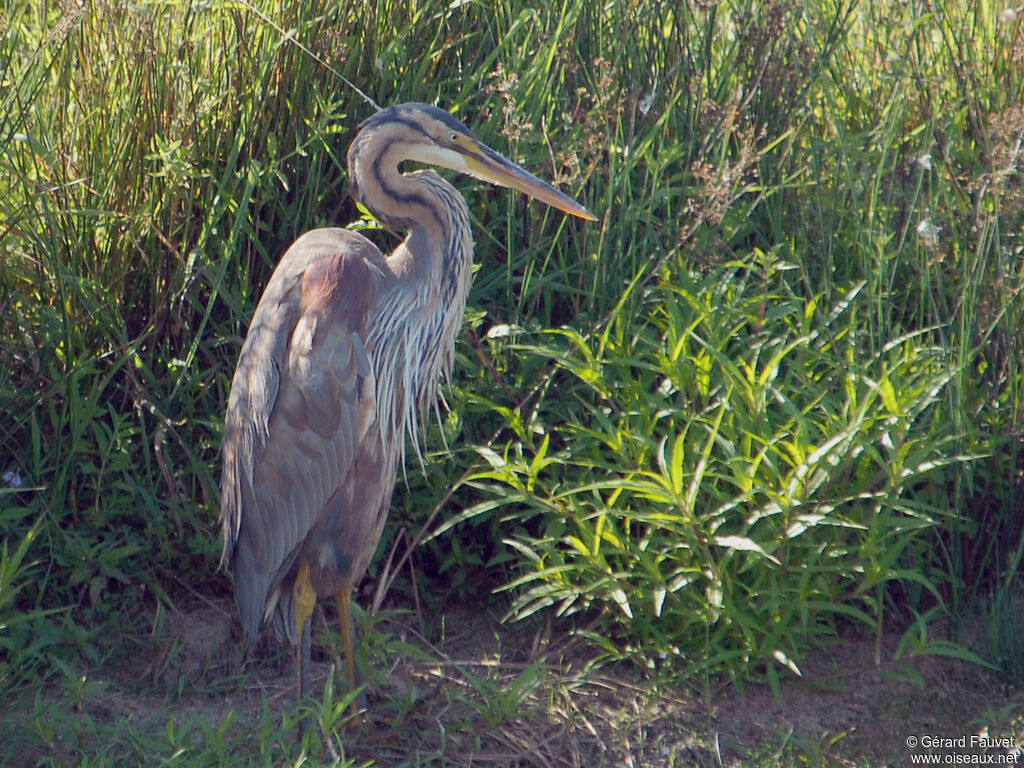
(843, 711)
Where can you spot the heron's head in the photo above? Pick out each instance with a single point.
(425, 134)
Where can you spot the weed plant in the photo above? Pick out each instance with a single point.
(775, 396)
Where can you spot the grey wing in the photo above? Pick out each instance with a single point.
(301, 402)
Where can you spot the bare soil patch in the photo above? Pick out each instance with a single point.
(486, 693)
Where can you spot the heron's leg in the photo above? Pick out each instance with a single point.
(305, 600)
(343, 597)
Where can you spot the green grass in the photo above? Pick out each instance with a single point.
(773, 397)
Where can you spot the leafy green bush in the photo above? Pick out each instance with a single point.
(739, 477)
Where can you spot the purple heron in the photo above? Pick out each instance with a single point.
(342, 357)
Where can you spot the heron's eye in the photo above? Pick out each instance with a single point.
(454, 138)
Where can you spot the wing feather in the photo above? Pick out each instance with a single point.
(301, 403)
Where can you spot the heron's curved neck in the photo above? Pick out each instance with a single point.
(426, 205)
(419, 317)
(438, 251)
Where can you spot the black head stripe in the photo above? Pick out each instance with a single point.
(405, 114)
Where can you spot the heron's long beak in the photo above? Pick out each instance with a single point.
(487, 165)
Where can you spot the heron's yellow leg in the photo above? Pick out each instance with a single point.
(305, 601)
(343, 598)
(305, 597)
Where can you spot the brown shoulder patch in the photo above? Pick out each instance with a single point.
(338, 286)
